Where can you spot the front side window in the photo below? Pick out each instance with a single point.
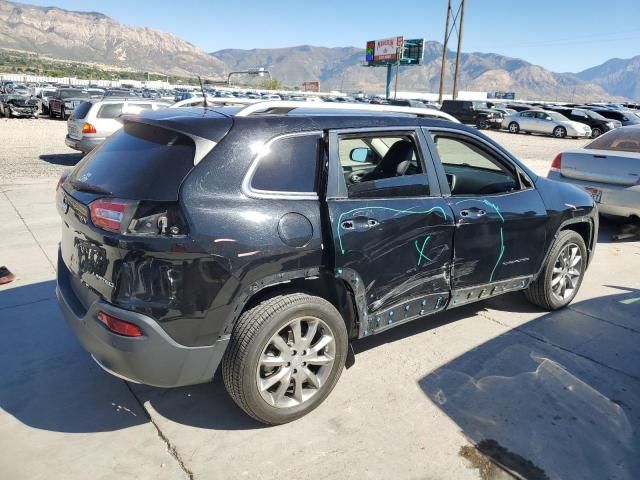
(472, 169)
(382, 165)
(288, 164)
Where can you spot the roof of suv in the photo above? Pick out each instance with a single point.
(199, 120)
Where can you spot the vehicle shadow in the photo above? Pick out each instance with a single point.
(609, 227)
(49, 382)
(556, 397)
(68, 159)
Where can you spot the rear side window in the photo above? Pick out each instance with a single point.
(110, 110)
(81, 110)
(138, 107)
(139, 162)
(289, 165)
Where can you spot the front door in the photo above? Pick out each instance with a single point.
(500, 218)
(392, 230)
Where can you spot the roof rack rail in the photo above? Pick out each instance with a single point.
(283, 107)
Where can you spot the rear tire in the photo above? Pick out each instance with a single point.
(559, 281)
(264, 344)
(514, 127)
(560, 132)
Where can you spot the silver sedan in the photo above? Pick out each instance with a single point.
(542, 121)
(608, 168)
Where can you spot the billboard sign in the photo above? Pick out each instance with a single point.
(502, 95)
(311, 86)
(386, 50)
(413, 52)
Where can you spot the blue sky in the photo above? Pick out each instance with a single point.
(561, 35)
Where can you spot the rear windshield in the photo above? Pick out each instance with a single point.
(139, 162)
(81, 110)
(620, 139)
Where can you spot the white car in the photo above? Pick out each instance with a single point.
(608, 168)
(91, 123)
(549, 123)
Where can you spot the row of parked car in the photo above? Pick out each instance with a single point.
(559, 120)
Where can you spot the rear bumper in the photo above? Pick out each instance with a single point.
(153, 359)
(85, 145)
(616, 200)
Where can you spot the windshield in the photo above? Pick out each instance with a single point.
(620, 139)
(594, 115)
(124, 164)
(73, 93)
(481, 105)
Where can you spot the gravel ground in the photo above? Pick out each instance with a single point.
(34, 148)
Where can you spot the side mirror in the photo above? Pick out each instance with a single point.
(360, 154)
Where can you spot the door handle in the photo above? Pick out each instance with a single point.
(347, 225)
(472, 212)
(359, 224)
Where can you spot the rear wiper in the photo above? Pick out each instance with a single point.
(85, 187)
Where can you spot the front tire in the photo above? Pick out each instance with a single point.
(482, 124)
(596, 132)
(561, 277)
(285, 356)
(514, 127)
(559, 132)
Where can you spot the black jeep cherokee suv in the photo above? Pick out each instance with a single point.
(473, 113)
(265, 243)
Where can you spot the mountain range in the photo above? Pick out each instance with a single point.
(94, 37)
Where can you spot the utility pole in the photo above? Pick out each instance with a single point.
(456, 75)
(444, 54)
(454, 22)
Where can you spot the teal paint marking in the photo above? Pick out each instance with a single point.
(499, 256)
(497, 210)
(420, 250)
(398, 212)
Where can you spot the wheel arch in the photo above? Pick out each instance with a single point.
(317, 281)
(583, 226)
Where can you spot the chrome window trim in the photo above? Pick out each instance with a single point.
(251, 192)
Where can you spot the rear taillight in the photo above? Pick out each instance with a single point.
(111, 214)
(556, 165)
(88, 128)
(129, 217)
(120, 327)
(61, 180)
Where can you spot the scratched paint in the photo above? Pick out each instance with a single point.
(398, 212)
(497, 210)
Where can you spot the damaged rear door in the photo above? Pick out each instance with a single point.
(391, 229)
